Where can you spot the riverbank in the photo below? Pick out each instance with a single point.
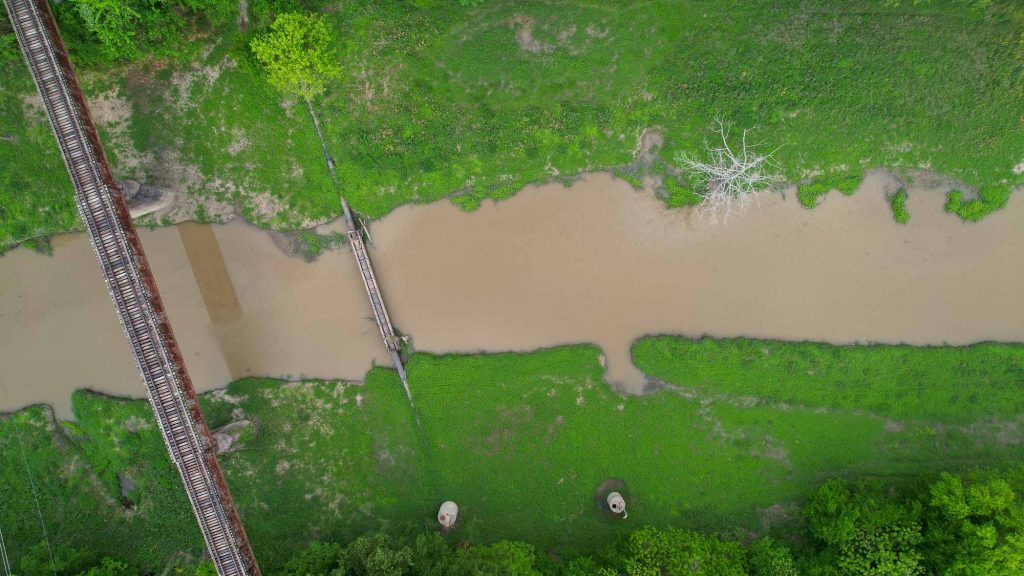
(477, 102)
(734, 448)
(596, 262)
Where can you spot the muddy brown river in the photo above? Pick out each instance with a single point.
(596, 262)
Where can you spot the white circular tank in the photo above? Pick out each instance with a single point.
(448, 514)
(617, 504)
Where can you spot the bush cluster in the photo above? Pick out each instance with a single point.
(678, 194)
(843, 181)
(988, 201)
(898, 202)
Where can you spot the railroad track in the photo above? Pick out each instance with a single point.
(133, 289)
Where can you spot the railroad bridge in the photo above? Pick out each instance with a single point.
(132, 288)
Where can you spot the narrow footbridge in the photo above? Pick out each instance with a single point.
(380, 313)
(133, 289)
(355, 240)
(370, 282)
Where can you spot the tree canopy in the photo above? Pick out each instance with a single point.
(866, 533)
(975, 527)
(652, 552)
(103, 31)
(954, 525)
(296, 53)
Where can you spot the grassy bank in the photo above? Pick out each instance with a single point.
(481, 100)
(523, 442)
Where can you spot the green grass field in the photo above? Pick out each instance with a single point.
(523, 442)
(479, 101)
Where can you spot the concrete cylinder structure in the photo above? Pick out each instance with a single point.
(617, 504)
(448, 514)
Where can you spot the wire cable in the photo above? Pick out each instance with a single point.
(3, 555)
(39, 509)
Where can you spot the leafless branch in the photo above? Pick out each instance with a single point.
(730, 179)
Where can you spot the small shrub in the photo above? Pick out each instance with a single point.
(632, 179)
(468, 202)
(41, 245)
(973, 210)
(899, 206)
(845, 182)
(315, 244)
(110, 567)
(505, 190)
(9, 50)
(678, 194)
(206, 569)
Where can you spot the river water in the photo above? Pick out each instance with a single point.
(596, 262)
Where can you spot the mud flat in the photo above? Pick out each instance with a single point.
(595, 262)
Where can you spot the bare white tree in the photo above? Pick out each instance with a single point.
(730, 180)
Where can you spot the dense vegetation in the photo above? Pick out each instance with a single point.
(526, 444)
(970, 525)
(476, 99)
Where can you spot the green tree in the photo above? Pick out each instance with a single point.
(766, 557)
(297, 55)
(586, 566)
(114, 23)
(110, 567)
(66, 560)
(977, 528)
(653, 552)
(865, 531)
(433, 557)
(431, 553)
(375, 555)
(318, 559)
(505, 558)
